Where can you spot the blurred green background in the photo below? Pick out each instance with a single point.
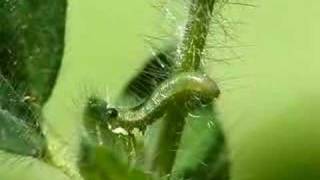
(270, 97)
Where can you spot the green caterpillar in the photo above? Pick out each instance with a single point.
(181, 88)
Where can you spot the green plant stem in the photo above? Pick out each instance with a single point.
(189, 58)
(168, 140)
(196, 32)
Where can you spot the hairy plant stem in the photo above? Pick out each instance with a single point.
(189, 59)
(195, 35)
(169, 140)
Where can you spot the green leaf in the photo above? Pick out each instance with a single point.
(31, 45)
(31, 49)
(17, 137)
(98, 163)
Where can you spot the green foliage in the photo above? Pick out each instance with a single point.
(101, 164)
(113, 143)
(19, 137)
(31, 49)
(32, 42)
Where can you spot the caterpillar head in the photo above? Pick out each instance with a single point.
(100, 110)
